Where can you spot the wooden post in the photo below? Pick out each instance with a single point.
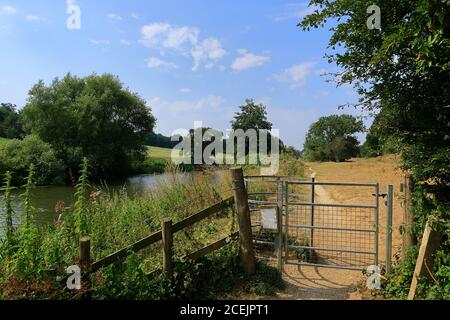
(243, 215)
(408, 218)
(167, 240)
(431, 241)
(85, 264)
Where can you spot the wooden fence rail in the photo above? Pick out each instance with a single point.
(212, 247)
(158, 236)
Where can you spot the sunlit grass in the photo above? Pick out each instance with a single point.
(159, 153)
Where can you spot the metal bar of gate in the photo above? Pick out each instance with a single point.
(332, 250)
(286, 207)
(346, 184)
(335, 205)
(305, 264)
(300, 226)
(377, 209)
(280, 223)
(389, 217)
(262, 202)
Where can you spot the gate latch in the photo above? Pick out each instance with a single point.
(381, 195)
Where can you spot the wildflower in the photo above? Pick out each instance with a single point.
(94, 196)
(59, 207)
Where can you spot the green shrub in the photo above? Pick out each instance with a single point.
(16, 156)
(149, 166)
(438, 287)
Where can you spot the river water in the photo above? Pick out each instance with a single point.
(45, 198)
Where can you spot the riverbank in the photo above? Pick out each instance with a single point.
(114, 220)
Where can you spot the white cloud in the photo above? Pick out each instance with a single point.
(114, 16)
(125, 42)
(135, 16)
(248, 60)
(35, 18)
(177, 37)
(105, 42)
(154, 62)
(185, 90)
(157, 35)
(296, 75)
(7, 9)
(183, 40)
(208, 52)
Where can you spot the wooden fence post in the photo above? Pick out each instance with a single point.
(244, 221)
(85, 263)
(167, 240)
(408, 237)
(431, 241)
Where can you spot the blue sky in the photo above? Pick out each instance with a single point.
(193, 60)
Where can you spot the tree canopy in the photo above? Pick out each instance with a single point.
(402, 69)
(16, 156)
(403, 73)
(10, 124)
(251, 116)
(93, 117)
(332, 138)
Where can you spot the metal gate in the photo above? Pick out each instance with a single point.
(294, 223)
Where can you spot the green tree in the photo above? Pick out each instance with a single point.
(93, 117)
(377, 143)
(331, 138)
(251, 116)
(159, 140)
(402, 69)
(17, 156)
(10, 124)
(291, 151)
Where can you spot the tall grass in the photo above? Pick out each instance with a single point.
(114, 220)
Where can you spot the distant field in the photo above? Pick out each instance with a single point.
(159, 153)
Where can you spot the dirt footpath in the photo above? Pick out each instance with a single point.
(305, 283)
